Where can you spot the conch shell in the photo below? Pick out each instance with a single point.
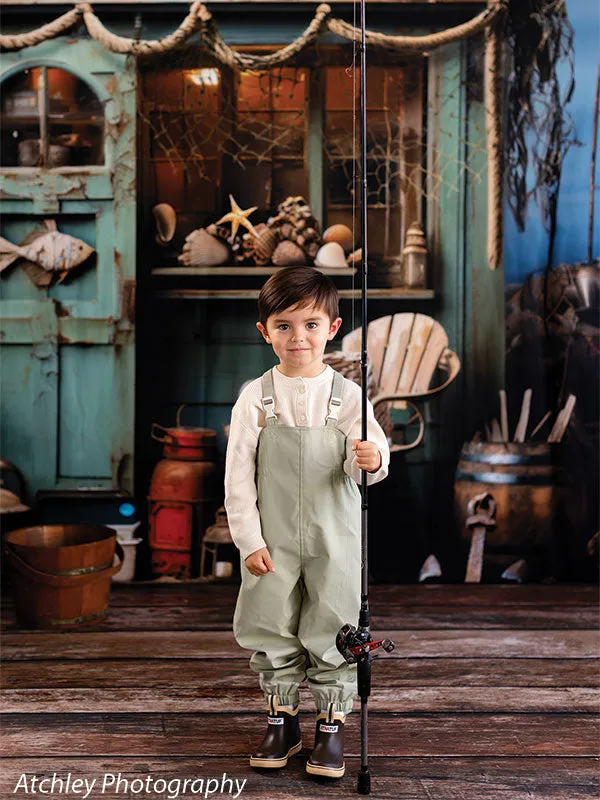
(264, 245)
(203, 250)
(340, 234)
(166, 222)
(288, 254)
(331, 255)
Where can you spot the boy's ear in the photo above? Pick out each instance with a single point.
(263, 330)
(334, 328)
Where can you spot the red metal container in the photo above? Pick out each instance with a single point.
(187, 444)
(182, 499)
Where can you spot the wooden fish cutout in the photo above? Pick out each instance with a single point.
(53, 251)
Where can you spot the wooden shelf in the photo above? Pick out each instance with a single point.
(226, 270)
(398, 293)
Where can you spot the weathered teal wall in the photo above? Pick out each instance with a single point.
(68, 370)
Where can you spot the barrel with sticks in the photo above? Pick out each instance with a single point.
(536, 503)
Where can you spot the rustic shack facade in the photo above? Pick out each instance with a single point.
(92, 358)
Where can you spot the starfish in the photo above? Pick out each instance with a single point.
(238, 217)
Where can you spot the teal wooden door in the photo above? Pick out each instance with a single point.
(67, 384)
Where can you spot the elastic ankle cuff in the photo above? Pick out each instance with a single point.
(275, 702)
(342, 706)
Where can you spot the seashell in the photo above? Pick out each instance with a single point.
(203, 250)
(288, 254)
(166, 222)
(340, 234)
(264, 246)
(331, 255)
(415, 236)
(10, 503)
(355, 257)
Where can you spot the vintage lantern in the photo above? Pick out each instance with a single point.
(182, 499)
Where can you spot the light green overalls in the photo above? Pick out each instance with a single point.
(310, 520)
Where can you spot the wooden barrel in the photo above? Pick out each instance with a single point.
(534, 497)
(61, 574)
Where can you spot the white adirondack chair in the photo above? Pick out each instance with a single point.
(406, 350)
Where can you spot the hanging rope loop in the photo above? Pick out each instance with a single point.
(213, 42)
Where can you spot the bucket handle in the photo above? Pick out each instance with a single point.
(52, 579)
(165, 440)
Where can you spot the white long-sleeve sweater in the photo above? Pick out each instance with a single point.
(298, 401)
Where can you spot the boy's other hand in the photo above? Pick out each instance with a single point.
(259, 562)
(368, 456)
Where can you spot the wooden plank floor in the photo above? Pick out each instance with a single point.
(491, 694)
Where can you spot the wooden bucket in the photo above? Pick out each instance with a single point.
(61, 574)
(534, 498)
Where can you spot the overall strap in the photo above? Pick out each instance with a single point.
(268, 401)
(335, 400)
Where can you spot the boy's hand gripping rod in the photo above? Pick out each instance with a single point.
(356, 644)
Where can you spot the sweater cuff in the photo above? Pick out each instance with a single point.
(247, 549)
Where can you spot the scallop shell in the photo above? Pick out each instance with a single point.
(288, 254)
(203, 250)
(264, 246)
(331, 255)
(340, 234)
(166, 222)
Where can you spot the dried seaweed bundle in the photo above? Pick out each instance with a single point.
(539, 130)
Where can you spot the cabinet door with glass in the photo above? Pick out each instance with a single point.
(263, 135)
(67, 261)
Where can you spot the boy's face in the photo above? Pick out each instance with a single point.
(299, 336)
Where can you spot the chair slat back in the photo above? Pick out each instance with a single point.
(377, 338)
(436, 344)
(404, 350)
(396, 352)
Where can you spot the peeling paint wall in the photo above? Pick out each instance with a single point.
(68, 348)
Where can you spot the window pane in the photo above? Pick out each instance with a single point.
(289, 179)
(75, 120)
(20, 120)
(394, 150)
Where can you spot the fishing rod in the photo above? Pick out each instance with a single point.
(357, 644)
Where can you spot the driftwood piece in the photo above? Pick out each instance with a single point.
(540, 424)
(503, 416)
(562, 421)
(521, 428)
(496, 432)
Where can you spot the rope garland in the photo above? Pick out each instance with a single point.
(421, 43)
(213, 41)
(200, 20)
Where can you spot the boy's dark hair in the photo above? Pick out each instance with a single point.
(301, 286)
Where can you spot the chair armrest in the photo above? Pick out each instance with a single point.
(449, 362)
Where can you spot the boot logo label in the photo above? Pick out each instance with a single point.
(275, 720)
(328, 728)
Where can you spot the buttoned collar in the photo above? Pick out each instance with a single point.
(322, 377)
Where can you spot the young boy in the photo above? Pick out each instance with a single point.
(294, 460)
